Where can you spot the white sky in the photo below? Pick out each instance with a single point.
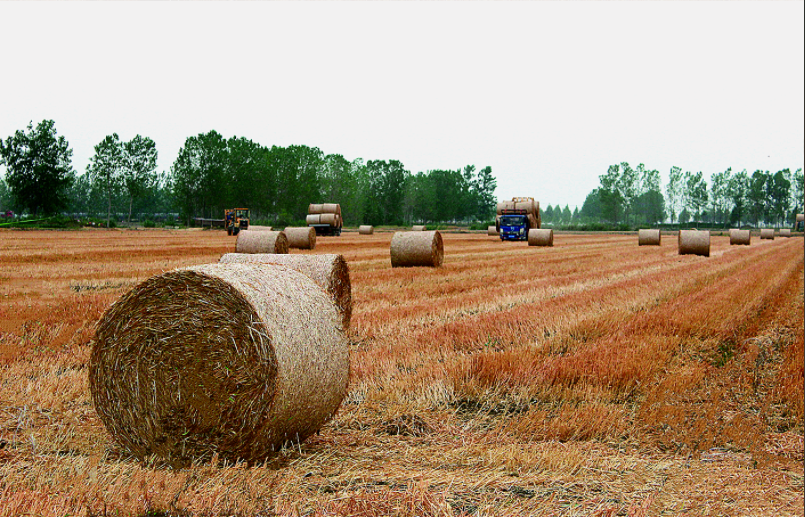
(547, 93)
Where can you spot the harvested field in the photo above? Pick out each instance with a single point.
(595, 377)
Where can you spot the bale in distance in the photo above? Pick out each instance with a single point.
(366, 229)
(313, 218)
(257, 228)
(315, 208)
(785, 232)
(255, 241)
(303, 238)
(740, 237)
(419, 228)
(767, 233)
(649, 237)
(331, 208)
(694, 242)
(329, 271)
(409, 249)
(492, 231)
(540, 237)
(800, 218)
(226, 359)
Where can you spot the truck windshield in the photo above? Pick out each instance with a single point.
(512, 220)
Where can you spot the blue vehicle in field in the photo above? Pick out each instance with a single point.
(516, 217)
(514, 227)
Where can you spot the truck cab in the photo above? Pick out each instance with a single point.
(514, 227)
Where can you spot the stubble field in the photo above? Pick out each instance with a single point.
(594, 378)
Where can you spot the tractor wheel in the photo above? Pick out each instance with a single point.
(229, 231)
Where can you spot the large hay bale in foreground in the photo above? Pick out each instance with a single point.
(694, 242)
(492, 231)
(226, 359)
(785, 232)
(257, 228)
(421, 248)
(303, 238)
(740, 237)
(419, 228)
(255, 241)
(330, 272)
(540, 237)
(767, 233)
(366, 229)
(648, 237)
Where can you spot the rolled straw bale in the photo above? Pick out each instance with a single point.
(800, 218)
(740, 237)
(492, 231)
(220, 359)
(417, 249)
(418, 228)
(313, 219)
(330, 272)
(303, 238)
(648, 237)
(537, 237)
(504, 205)
(694, 242)
(767, 233)
(366, 229)
(785, 232)
(253, 241)
(497, 223)
(257, 228)
(331, 208)
(331, 219)
(315, 209)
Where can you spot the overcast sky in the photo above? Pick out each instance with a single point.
(548, 94)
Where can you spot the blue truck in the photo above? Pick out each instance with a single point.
(516, 217)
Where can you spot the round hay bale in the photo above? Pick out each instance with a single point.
(767, 233)
(418, 228)
(331, 208)
(315, 209)
(504, 205)
(226, 359)
(254, 241)
(303, 238)
(497, 223)
(800, 218)
(421, 248)
(313, 219)
(694, 242)
(538, 237)
(492, 231)
(256, 228)
(740, 237)
(330, 272)
(785, 232)
(366, 229)
(331, 219)
(648, 237)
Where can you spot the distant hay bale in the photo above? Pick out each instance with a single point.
(303, 238)
(255, 241)
(538, 237)
(785, 232)
(767, 233)
(256, 228)
(694, 242)
(331, 208)
(313, 219)
(220, 359)
(418, 228)
(492, 231)
(331, 219)
(740, 237)
(315, 209)
(420, 248)
(330, 272)
(648, 237)
(800, 218)
(366, 229)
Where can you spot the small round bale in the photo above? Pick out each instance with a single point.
(232, 360)
(785, 232)
(694, 242)
(421, 248)
(418, 228)
(648, 237)
(492, 231)
(257, 228)
(740, 237)
(366, 229)
(331, 219)
(254, 241)
(767, 233)
(331, 208)
(313, 219)
(540, 237)
(315, 209)
(303, 238)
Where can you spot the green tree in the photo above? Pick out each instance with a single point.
(628, 185)
(567, 215)
(756, 196)
(673, 192)
(720, 195)
(591, 209)
(779, 195)
(695, 194)
(737, 191)
(39, 170)
(484, 189)
(609, 194)
(198, 176)
(139, 167)
(105, 170)
(547, 214)
(798, 192)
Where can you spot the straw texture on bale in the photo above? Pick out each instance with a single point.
(315, 208)
(303, 238)
(313, 218)
(331, 208)
(256, 228)
(330, 272)
(648, 237)
(226, 359)
(767, 233)
(785, 232)
(537, 237)
(423, 248)
(418, 228)
(366, 229)
(255, 241)
(740, 237)
(694, 242)
(800, 218)
(492, 231)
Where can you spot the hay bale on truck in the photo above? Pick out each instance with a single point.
(226, 359)
(516, 217)
(325, 218)
(410, 249)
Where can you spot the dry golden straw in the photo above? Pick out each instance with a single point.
(420, 248)
(366, 229)
(767, 233)
(315, 209)
(331, 208)
(330, 272)
(740, 237)
(492, 230)
(537, 237)
(226, 359)
(255, 241)
(301, 238)
(418, 228)
(800, 218)
(256, 228)
(648, 237)
(313, 218)
(785, 232)
(694, 242)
